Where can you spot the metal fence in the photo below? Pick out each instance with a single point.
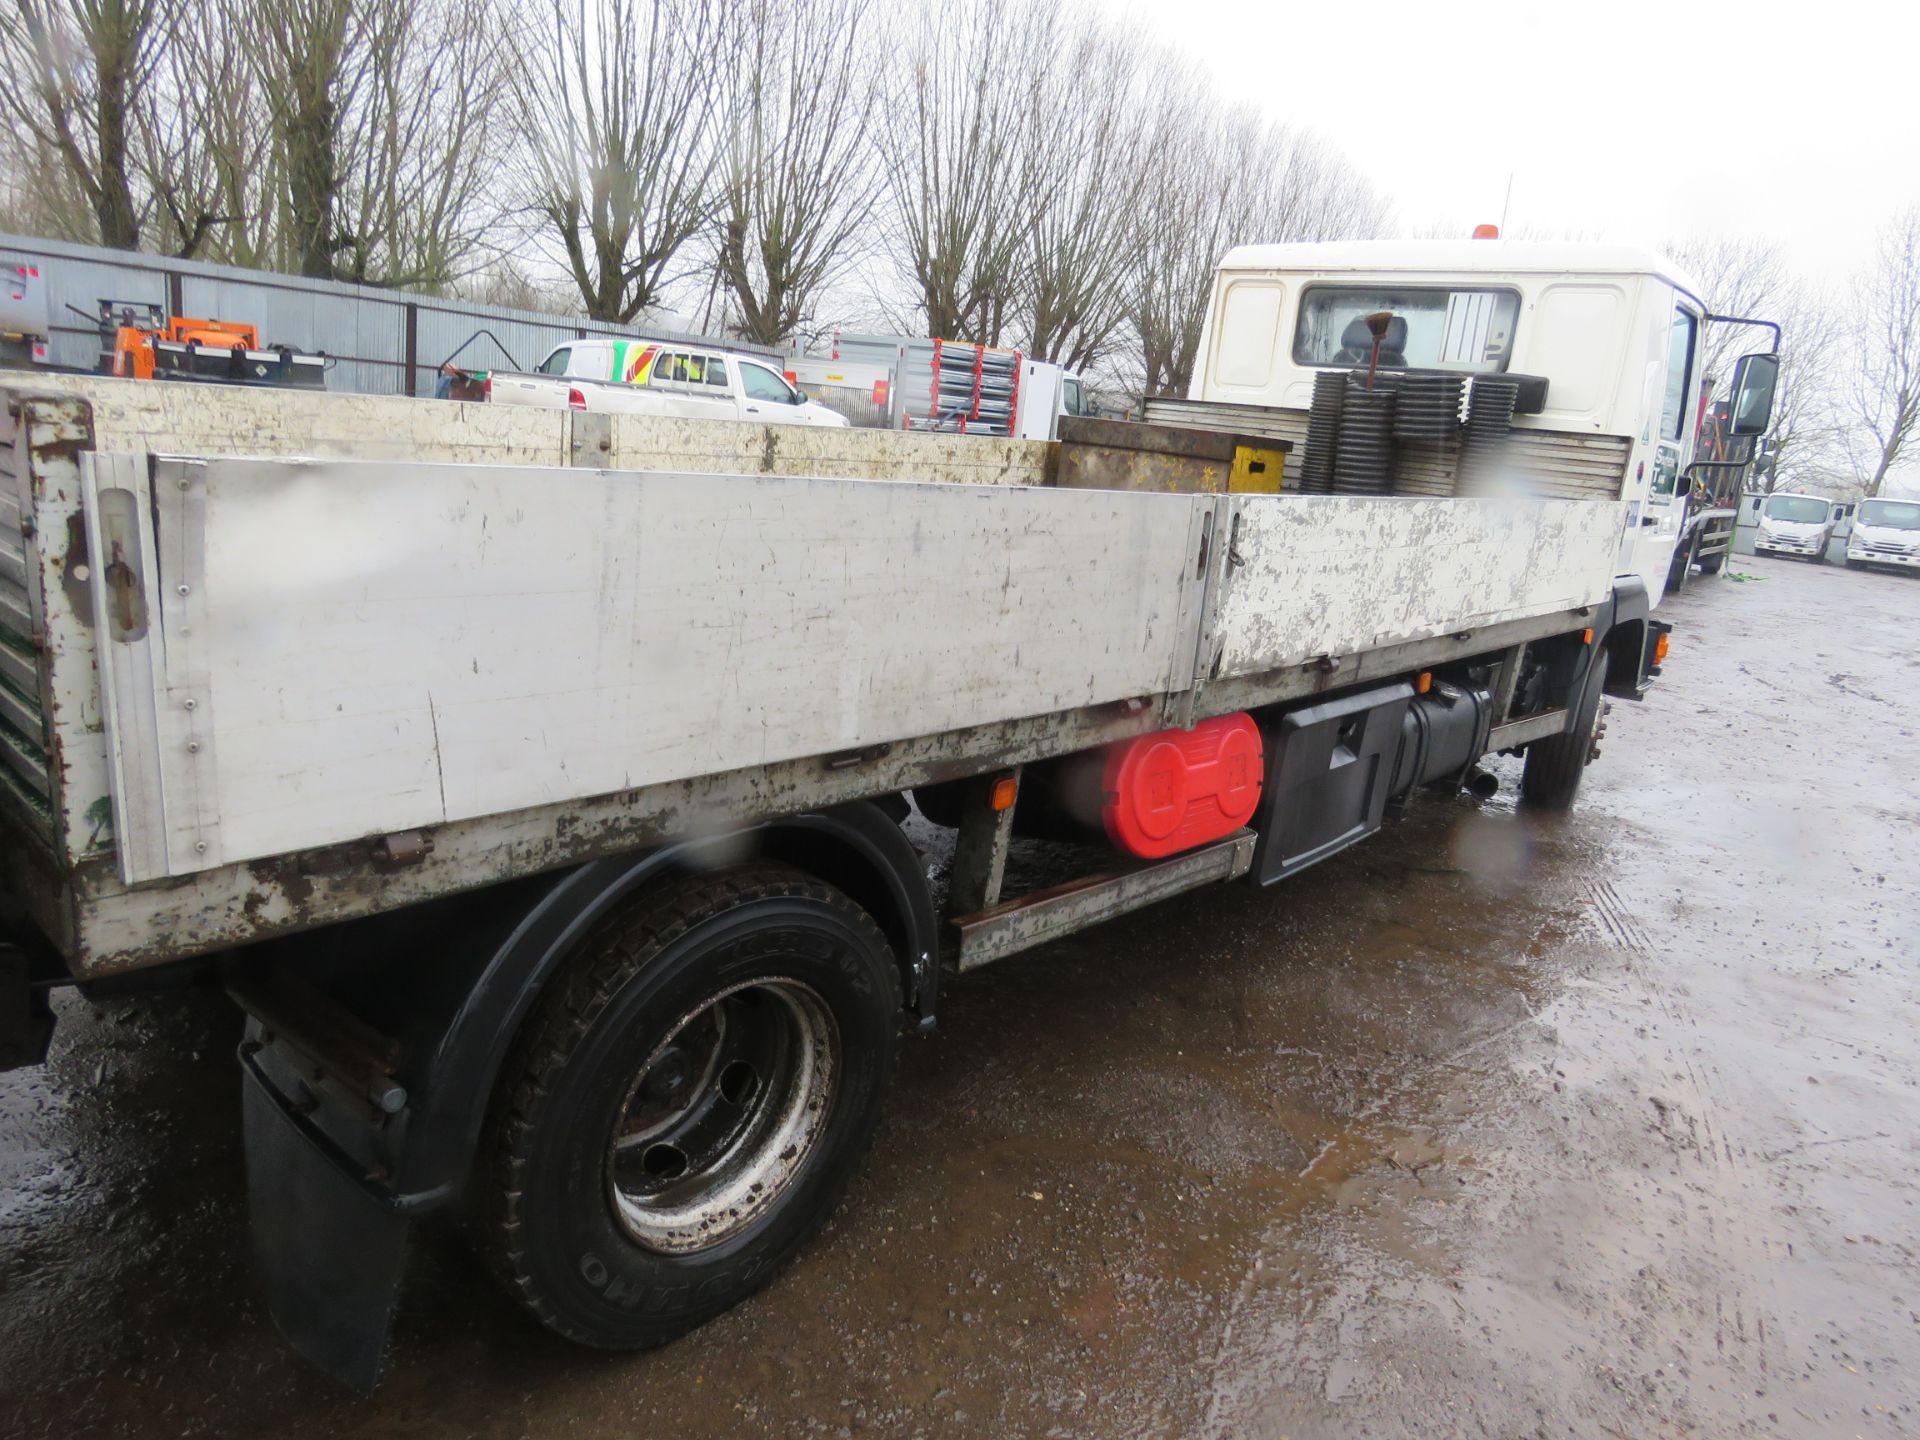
(382, 342)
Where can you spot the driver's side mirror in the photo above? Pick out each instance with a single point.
(1754, 380)
(799, 396)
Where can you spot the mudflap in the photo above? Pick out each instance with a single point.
(328, 1248)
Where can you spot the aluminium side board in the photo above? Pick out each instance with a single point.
(271, 692)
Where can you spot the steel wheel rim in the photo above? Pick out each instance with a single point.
(722, 1116)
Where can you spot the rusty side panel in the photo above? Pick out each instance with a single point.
(58, 430)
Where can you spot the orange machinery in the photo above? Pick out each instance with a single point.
(146, 344)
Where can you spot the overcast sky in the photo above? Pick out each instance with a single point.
(1624, 120)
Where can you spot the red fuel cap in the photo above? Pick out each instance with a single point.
(1175, 789)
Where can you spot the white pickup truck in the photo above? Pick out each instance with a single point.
(645, 377)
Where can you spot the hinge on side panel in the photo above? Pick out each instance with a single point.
(1206, 545)
(592, 438)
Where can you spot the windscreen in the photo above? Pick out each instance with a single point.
(1889, 514)
(1440, 328)
(1797, 509)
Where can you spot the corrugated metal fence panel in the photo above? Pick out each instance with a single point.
(366, 329)
(80, 284)
(444, 329)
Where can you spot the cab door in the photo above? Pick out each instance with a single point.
(1656, 525)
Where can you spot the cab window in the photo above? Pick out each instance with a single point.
(670, 369)
(762, 384)
(1680, 347)
(716, 371)
(1470, 331)
(1072, 401)
(556, 363)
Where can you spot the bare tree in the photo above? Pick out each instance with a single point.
(615, 101)
(1089, 162)
(1880, 398)
(73, 75)
(1740, 276)
(419, 154)
(1309, 190)
(961, 220)
(800, 183)
(1191, 191)
(212, 162)
(350, 139)
(1229, 180)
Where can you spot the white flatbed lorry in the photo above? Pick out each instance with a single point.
(534, 778)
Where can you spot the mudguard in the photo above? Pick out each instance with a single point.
(333, 1180)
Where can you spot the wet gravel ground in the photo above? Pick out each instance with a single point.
(1496, 1125)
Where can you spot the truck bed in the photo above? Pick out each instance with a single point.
(453, 644)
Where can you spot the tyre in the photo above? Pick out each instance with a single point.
(1679, 568)
(1554, 766)
(1713, 564)
(687, 1103)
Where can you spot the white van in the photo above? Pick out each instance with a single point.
(1798, 525)
(1886, 532)
(648, 377)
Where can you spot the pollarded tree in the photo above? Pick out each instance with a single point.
(617, 103)
(1879, 400)
(800, 182)
(74, 75)
(960, 220)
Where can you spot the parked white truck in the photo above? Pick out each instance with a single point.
(1798, 525)
(645, 377)
(905, 382)
(1886, 532)
(534, 778)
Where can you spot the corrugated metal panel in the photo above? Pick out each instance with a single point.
(364, 327)
(23, 737)
(1555, 463)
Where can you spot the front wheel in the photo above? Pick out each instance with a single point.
(1712, 564)
(1680, 568)
(1555, 765)
(687, 1103)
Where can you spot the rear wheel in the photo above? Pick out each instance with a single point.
(1712, 564)
(688, 1103)
(1555, 765)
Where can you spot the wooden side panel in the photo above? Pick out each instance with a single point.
(386, 646)
(1337, 575)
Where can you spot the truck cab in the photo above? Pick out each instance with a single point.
(1799, 525)
(1607, 340)
(1886, 532)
